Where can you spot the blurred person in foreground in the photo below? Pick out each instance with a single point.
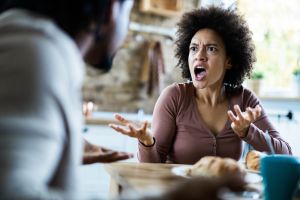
(43, 44)
(212, 113)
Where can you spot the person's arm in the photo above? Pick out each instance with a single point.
(163, 127)
(256, 137)
(95, 153)
(154, 146)
(252, 124)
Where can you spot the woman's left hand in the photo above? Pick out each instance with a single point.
(241, 121)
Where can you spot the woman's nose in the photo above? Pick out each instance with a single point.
(201, 54)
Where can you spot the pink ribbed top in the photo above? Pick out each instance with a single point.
(182, 137)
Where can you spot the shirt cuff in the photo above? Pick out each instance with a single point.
(154, 141)
(250, 134)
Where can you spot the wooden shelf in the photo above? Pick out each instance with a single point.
(167, 8)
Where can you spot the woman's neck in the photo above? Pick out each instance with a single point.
(211, 96)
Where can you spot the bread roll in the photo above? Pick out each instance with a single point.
(216, 167)
(253, 160)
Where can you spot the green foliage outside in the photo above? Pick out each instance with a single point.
(257, 75)
(275, 26)
(296, 72)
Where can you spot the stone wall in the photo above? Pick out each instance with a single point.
(124, 89)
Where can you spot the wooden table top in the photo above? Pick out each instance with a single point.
(143, 177)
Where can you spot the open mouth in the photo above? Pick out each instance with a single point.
(199, 70)
(200, 73)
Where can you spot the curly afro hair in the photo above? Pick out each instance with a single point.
(234, 32)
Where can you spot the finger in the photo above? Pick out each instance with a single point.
(119, 129)
(104, 149)
(145, 125)
(231, 116)
(94, 157)
(115, 127)
(106, 157)
(258, 111)
(251, 109)
(114, 156)
(239, 113)
(118, 158)
(121, 119)
(250, 114)
(133, 131)
(235, 121)
(123, 155)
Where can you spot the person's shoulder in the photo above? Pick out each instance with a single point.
(33, 27)
(181, 86)
(247, 93)
(243, 96)
(174, 96)
(30, 35)
(240, 91)
(179, 91)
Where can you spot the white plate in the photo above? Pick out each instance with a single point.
(250, 176)
(253, 177)
(181, 171)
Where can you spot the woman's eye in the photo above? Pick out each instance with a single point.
(193, 49)
(211, 49)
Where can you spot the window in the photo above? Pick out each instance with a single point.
(275, 25)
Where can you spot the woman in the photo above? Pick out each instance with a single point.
(212, 113)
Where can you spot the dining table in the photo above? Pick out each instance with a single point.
(156, 178)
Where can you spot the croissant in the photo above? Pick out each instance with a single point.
(253, 160)
(216, 167)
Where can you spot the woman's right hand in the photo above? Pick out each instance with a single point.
(133, 129)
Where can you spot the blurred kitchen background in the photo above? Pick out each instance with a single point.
(146, 64)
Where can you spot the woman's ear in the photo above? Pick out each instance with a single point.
(228, 64)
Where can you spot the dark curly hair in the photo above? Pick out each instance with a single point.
(234, 32)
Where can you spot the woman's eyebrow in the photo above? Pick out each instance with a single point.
(207, 44)
(194, 44)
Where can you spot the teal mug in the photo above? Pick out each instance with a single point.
(280, 176)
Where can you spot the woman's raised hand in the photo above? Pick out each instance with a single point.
(241, 121)
(133, 129)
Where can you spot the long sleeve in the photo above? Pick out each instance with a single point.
(256, 133)
(163, 127)
(256, 137)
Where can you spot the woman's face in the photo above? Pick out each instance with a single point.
(207, 59)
